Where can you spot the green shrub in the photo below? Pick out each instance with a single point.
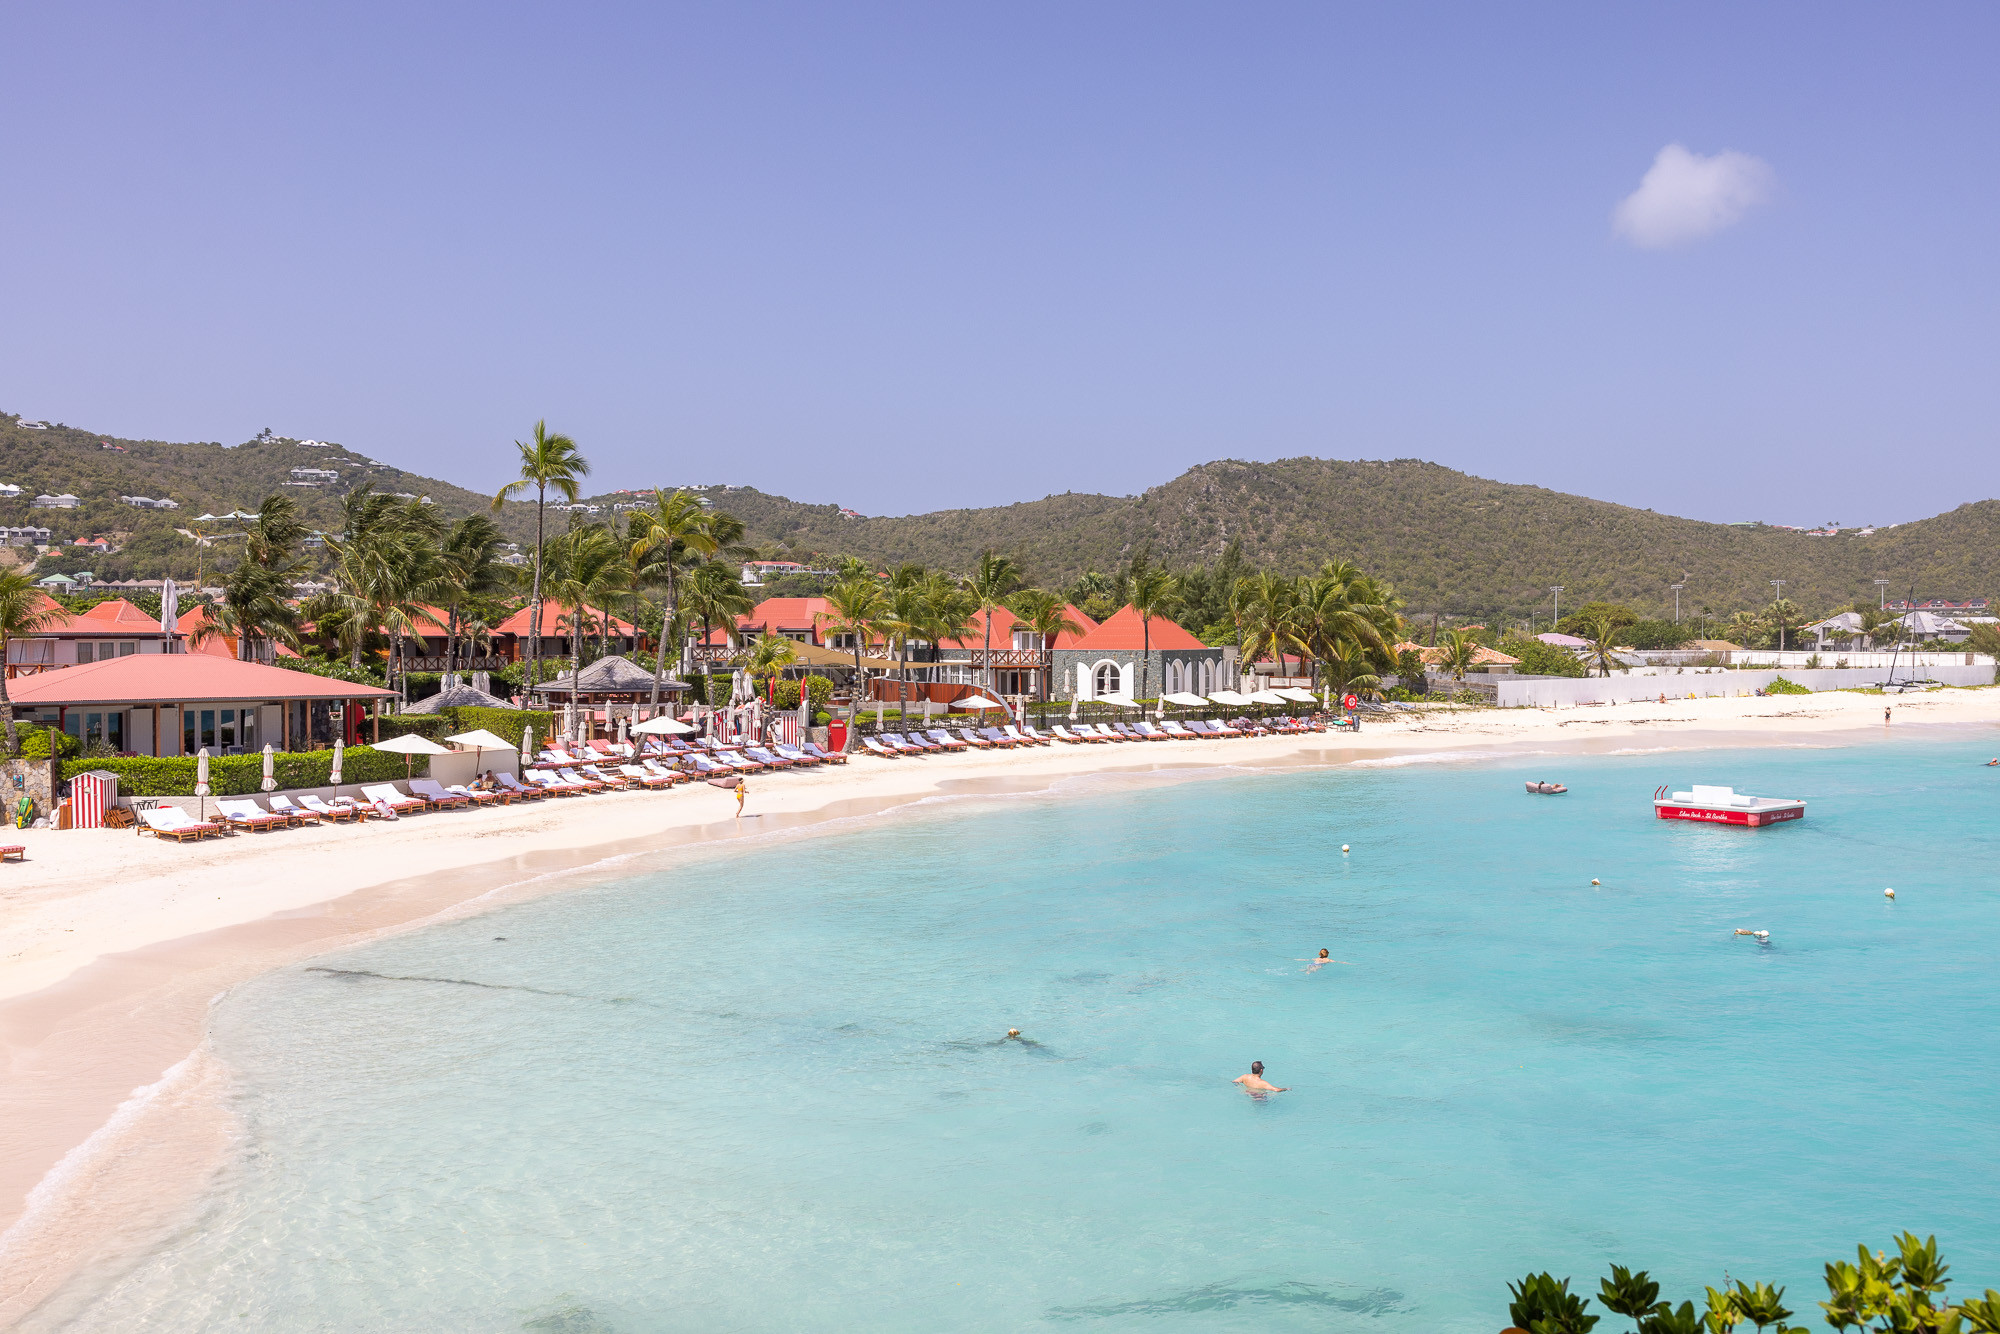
(242, 775)
(1783, 687)
(501, 722)
(433, 726)
(1540, 659)
(35, 743)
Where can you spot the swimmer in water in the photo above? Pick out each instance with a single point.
(1319, 963)
(1991, 763)
(1254, 1082)
(1746, 931)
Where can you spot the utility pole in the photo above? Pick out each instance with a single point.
(1881, 595)
(1557, 589)
(1677, 601)
(1779, 584)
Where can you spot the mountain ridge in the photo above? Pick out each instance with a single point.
(1449, 541)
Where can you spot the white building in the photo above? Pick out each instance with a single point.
(9, 490)
(61, 502)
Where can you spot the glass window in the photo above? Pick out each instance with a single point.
(228, 731)
(127, 649)
(86, 653)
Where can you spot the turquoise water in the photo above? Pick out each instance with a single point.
(767, 1089)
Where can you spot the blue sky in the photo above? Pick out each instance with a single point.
(912, 256)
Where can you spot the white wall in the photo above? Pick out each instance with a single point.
(1877, 658)
(1617, 689)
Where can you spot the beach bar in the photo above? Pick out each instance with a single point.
(169, 704)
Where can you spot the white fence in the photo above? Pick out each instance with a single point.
(1621, 689)
(1872, 658)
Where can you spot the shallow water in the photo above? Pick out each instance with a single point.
(768, 1089)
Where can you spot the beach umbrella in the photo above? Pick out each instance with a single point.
(977, 703)
(528, 739)
(270, 767)
(170, 607)
(339, 754)
(622, 721)
(201, 780)
(410, 744)
(479, 742)
(662, 726)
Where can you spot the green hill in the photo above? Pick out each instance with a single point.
(1448, 541)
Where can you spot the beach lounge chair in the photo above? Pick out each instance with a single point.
(1173, 729)
(766, 758)
(797, 756)
(1131, 733)
(708, 766)
(556, 785)
(481, 799)
(661, 769)
(1022, 737)
(318, 807)
(973, 739)
(1038, 735)
(1102, 731)
(736, 759)
(1064, 734)
(296, 814)
(249, 815)
(519, 789)
(644, 778)
(998, 738)
(915, 741)
(434, 795)
(174, 823)
(386, 794)
(14, 852)
(597, 773)
(819, 753)
(946, 739)
(875, 747)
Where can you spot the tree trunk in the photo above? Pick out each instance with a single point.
(666, 628)
(450, 643)
(7, 707)
(575, 671)
(854, 704)
(535, 597)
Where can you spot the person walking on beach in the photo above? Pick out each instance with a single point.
(1885, 716)
(1254, 1082)
(742, 790)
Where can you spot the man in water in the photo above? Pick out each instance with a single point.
(1254, 1082)
(1319, 963)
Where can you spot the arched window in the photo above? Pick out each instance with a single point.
(1207, 678)
(1108, 681)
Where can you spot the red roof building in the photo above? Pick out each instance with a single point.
(1127, 658)
(1125, 632)
(510, 637)
(177, 703)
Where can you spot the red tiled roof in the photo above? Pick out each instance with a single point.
(1068, 640)
(215, 646)
(172, 678)
(1124, 633)
(775, 614)
(1004, 624)
(554, 617)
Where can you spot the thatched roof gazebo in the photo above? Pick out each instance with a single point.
(609, 680)
(460, 696)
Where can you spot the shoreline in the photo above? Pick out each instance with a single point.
(158, 932)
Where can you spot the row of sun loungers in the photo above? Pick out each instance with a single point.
(892, 745)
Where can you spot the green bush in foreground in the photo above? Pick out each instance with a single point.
(1879, 1293)
(1781, 686)
(241, 775)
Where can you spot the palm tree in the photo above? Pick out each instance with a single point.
(1330, 616)
(945, 612)
(1602, 652)
(1047, 616)
(855, 606)
(904, 620)
(547, 460)
(1784, 614)
(1154, 593)
(1458, 653)
(1261, 605)
(471, 569)
(24, 610)
(768, 657)
(587, 567)
(676, 532)
(257, 607)
(989, 584)
(715, 593)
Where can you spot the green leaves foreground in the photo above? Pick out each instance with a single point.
(1878, 1294)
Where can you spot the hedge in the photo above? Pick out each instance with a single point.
(434, 726)
(502, 722)
(241, 775)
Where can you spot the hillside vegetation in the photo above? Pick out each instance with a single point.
(1447, 541)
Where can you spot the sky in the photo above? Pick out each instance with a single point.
(1720, 260)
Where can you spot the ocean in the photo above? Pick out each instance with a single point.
(768, 1086)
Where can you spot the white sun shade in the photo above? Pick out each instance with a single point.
(977, 702)
(1296, 695)
(663, 726)
(1122, 701)
(1230, 697)
(1268, 697)
(480, 740)
(1185, 700)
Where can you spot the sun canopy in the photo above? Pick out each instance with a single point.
(1122, 701)
(1185, 700)
(1296, 695)
(1267, 697)
(411, 744)
(663, 726)
(977, 702)
(480, 740)
(1230, 697)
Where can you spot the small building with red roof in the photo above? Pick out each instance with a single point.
(511, 636)
(1134, 657)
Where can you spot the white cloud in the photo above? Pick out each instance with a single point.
(1686, 196)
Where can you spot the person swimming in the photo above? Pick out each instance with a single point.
(1254, 1082)
(1746, 931)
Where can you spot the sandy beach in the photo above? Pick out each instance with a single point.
(113, 947)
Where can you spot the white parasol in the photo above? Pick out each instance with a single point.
(339, 754)
(662, 726)
(977, 702)
(201, 780)
(270, 767)
(410, 744)
(170, 607)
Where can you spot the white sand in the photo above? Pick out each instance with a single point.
(113, 945)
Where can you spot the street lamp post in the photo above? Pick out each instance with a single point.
(1557, 589)
(1881, 595)
(1779, 584)
(1677, 601)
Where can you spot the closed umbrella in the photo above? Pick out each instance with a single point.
(270, 767)
(201, 780)
(527, 741)
(339, 754)
(170, 607)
